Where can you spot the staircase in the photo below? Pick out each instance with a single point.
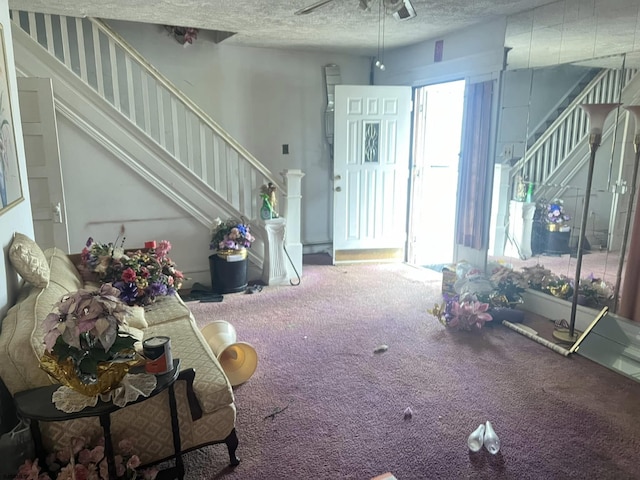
(554, 159)
(561, 105)
(114, 95)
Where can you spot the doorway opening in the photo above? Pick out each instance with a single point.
(437, 132)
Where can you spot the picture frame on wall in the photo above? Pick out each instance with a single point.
(10, 182)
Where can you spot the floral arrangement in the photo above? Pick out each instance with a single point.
(592, 291)
(85, 330)
(462, 313)
(538, 277)
(85, 460)
(140, 276)
(509, 286)
(184, 35)
(595, 292)
(230, 235)
(555, 213)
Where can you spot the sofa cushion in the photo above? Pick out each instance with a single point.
(19, 360)
(165, 309)
(29, 261)
(63, 271)
(22, 339)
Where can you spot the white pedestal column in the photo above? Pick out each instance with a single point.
(274, 267)
(293, 214)
(520, 227)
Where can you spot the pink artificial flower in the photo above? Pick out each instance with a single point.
(28, 471)
(84, 456)
(163, 248)
(65, 473)
(133, 463)
(81, 472)
(97, 454)
(126, 446)
(150, 473)
(78, 444)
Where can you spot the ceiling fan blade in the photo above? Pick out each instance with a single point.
(312, 7)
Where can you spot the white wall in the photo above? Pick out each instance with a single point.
(475, 53)
(102, 194)
(264, 98)
(18, 218)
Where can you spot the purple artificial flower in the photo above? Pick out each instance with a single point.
(157, 289)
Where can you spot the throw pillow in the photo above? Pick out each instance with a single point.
(29, 261)
(136, 318)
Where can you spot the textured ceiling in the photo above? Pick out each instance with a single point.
(539, 32)
(338, 26)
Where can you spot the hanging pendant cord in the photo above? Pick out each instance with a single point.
(383, 17)
(379, 27)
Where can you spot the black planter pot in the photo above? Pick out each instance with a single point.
(556, 243)
(228, 273)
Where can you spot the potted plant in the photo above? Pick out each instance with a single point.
(228, 265)
(86, 350)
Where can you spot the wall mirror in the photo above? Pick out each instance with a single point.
(541, 170)
(536, 126)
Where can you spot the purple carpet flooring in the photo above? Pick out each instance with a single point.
(557, 417)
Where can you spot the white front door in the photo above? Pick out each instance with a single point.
(371, 171)
(43, 162)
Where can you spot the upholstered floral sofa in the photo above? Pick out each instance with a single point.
(205, 403)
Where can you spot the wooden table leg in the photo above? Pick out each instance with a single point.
(105, 422)
(175, 428)
(41, 454)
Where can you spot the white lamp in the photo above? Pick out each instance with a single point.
(597, 113)
(635, 109)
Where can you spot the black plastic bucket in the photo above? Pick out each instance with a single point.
(228, 274)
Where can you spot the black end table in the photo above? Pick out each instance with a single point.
(36, 405)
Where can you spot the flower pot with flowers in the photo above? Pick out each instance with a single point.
(140, 275)
(462, 312)
(228, 266)
(555, 218)
(86, 348)
(555, 228)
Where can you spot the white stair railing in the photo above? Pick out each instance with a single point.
(119, 74)
(570, 130)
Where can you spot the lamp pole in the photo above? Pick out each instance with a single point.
(597, 113)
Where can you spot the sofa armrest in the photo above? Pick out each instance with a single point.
(188, 376)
